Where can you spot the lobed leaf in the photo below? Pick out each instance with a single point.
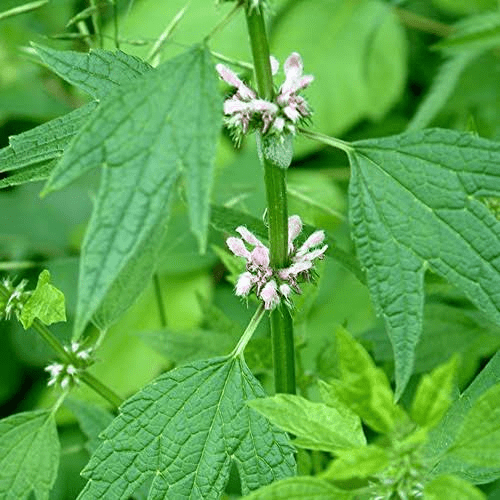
(29, 455)
(183, 431)
(45, 303)
(415, 203)
(315, 425)
(145, 134)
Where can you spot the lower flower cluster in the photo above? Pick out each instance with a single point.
(274, 286)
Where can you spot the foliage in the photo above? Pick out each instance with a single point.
(121, 267)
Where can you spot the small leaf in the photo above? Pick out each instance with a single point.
(276, 150)
(183, 431)
(360, 462)
(46, 303)
(92, 420)
(478, 441)
(29, 455)
(452, 487)
(300, 488)
(362, 386)
(414, 203)
(316, 425)
(433, 395)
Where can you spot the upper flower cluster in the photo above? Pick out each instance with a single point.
(272, 286)
(245, 111)
(17, 298)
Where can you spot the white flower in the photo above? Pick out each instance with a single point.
(271, 286)
(245, 111)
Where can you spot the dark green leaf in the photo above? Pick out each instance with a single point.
(29, 455)
(183, 431)
(414, 203)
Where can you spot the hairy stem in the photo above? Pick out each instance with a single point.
(277, 212)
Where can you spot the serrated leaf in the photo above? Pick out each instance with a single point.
(32, 173)
(45, 303)
(92, 420)
(452, 487)
(45, 142)
(362, 386)
(29, 455)
(142, 136)
(360, 462)
(433, 396)
(96, 73)
(183, 431)
(315, 425)
(414, 204)
(300, 488)
(442, 438)
(478, 441)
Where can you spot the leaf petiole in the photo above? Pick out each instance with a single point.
(249, 331)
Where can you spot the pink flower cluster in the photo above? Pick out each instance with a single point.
(272, 286)
(244, 111)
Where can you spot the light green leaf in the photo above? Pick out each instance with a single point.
(478, 441)
(414, 204)
(360, 462)
(29, 455)
(475, 33)
(92, 419)
(452, 487)
(45, 142)
(183, 431)
(433, 396)
(315, 425)
(357, 53)
(442, 438)
(96, 73)
(46, 303)
(362, 386)
(142, 136)
(300, 488)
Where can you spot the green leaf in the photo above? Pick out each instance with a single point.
(473, 33)
(46, 303)
(433, 396)
(465, 6)
(414, 204)
(92, 420)
(96, 73)
(362, 386)
(29, 455)
(442, 87)
(360, 462)
(452, 487)
(45, 142)
(142, 136)
(28, 174)
(183, 431)
(442, 438)
(300, 488)
(315, 425)
(478, 441)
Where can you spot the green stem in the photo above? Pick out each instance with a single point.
(101, 389)
(277, 212)
(249, 331)
(159, 300)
